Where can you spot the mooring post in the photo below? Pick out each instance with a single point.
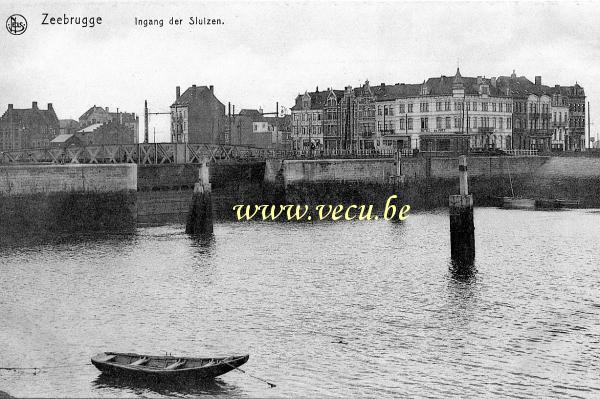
(399, 178)
(200, 219)
(462, 229)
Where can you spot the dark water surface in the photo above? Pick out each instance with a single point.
(327, 309)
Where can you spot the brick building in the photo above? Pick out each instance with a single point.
(28, 128)
(99, 125)
(197, 116)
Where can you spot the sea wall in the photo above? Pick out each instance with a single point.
(34, 179)
(429, 181)
(321, 170)
(35, 198)
(184, 176)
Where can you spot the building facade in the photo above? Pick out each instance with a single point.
(428, 116)
(308, 120)
(28, 128)
(559, 111)
(533, 116)
(197, 116)
(96, 115)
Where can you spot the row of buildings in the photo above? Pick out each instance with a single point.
(506, 112)
(28, 128)
(198, 116)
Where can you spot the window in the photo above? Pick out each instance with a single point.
(474, 122)
(484, 106)
(438, 120)
(379, 111)
(474, 106)
(410, 109)
(500, 105)
(438, 106)
(424, 123)
(410, 123)
(447, 122)
(447, 106)
(401, 108)
(402, 124)
(500, 123)
(494, 107)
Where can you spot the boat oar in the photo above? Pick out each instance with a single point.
(271, 385)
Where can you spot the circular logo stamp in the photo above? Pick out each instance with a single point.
(16, 24)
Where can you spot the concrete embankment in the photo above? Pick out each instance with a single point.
(429, 181)
(67, 197)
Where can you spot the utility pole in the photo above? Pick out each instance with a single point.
(589, 128)
(146, 121)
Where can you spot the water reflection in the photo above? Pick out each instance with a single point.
(182, 388)
(464, 272)
(117, 239)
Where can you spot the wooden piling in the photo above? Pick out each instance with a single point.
(200, 218)
(462, 229)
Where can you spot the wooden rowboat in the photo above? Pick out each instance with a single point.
(132, 365)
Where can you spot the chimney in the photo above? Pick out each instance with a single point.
(212, 88)
(514, 75)
(317, 89)
(383, 85)
(34, 105)
(106, 108)
(177, 93)
(50, 107)
(493, 80)
(10, 107)
(479, 80)
(194, 87)
(538, 80)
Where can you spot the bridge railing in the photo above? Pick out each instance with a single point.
(175, 153)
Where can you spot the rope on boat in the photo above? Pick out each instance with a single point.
(271, 385)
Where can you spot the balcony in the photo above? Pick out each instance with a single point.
(540, 132)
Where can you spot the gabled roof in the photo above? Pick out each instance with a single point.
(318, 99)
(192, 94)
(90, 111)
(31, 115)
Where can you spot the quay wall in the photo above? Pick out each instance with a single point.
(184, 176)
(34, 179)
(36, 198)
(429, 181)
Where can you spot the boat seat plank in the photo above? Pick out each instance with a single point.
(176, 365)
(140, 362)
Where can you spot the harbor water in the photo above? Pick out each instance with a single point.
(329, 309)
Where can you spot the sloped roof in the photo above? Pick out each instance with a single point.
(31, 115)
(392, 92)
(90, 111)
(190, 95)
(318, 99)
(90, 128)
(62, 138)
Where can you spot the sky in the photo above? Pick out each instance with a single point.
(266, 52)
